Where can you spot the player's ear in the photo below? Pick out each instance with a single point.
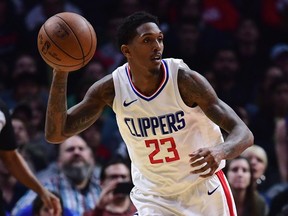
(125, 51)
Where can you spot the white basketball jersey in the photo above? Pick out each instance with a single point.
(160, 131)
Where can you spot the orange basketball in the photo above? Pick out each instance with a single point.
(67, 41)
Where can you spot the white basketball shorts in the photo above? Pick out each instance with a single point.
(211, 197)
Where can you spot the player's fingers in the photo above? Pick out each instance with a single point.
(56, 206)
(48, 203)
(210, 173)
(197, 162)
(52, 203)
(195, 153)
(201, 169)
(202, 152)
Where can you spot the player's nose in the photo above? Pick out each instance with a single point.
(156, 45)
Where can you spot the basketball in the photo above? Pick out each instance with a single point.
(66, 41)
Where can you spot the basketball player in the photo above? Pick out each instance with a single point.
(169, 117)
(17, 165)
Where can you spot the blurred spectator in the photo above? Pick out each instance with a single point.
(252, 53)
(259, 162)
(39, 152)
(39, 13)
(261, 92)
(111, 137)
(45, 9)
(127, 7)
(11, 31)
(32, 112)
(263, 125)
(25, 86)
(247, 199)
(186, 44)
(18, 168)
(191, 10)
(79, 92)
(108, 52)
(94, 71)
(281, 145)
(96, 12)
(21, 132)
(37, 122)
(23, 112)
(21, 63)
(93, 137)
(225, 71)
(38, 209)
(279, 203)
(243, 114)
(221, 19)
(23, 140)
(4, 75)
(279, 56)
(25, 63)
(167, 11)
(12, 190)
(221, 14)
(73, 179)
(111, 202)
(274, 16)
(22, 6)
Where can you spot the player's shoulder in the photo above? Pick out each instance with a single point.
(177, 63)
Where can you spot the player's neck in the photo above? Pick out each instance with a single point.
(147, 82)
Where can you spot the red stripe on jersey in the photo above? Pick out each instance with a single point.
(227, 192)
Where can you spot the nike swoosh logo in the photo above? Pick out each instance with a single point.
(211, 192)
(125, 104)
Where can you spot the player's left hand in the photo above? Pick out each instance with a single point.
(204, 161)
(51, 202)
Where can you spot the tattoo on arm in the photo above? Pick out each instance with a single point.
(195, 89)
(58, 96)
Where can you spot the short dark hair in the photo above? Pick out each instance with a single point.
(114, 160)
(127, 30)
(38, 203)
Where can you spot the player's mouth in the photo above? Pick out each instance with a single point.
(156, 58)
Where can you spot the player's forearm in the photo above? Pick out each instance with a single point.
(57, 108)
(20, 170)
(237, 141)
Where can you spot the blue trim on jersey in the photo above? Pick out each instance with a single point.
(157, 91)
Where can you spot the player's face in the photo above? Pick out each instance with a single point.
(147, 47)
(239, 174)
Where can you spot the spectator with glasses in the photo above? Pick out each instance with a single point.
(116, 185)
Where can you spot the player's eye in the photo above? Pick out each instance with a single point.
(146, 40)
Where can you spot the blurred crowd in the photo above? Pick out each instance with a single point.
(240, 46)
